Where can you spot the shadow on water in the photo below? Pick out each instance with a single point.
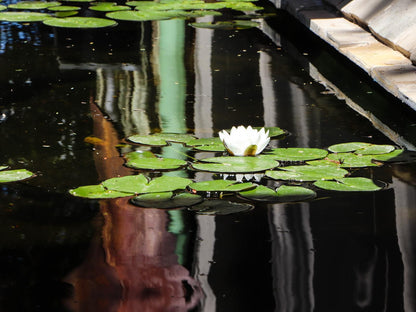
(343, 252)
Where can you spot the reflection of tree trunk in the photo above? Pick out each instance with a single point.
(138, 270)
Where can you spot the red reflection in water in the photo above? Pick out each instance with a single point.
(133, 266)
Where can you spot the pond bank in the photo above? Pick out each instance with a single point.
(375, 36)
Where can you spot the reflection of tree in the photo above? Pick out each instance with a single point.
(139, 269)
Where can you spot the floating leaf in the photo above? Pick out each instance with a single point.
(64, 8)
(14, 175)
(242, 6)
(220, 207)
(166, 200)
(235, 164)
(62, 14)
(133, 161)
(397, 156)
(347, 147)
(351, 160)
(220, 186)
(130, 184)
(108, 7)
(226, 25)
(3, 167)
(79, 22)
(358, 184)
(3, 7)
(273, 131)
(296, 154)
(219, 147)
(97, 192)
(324, 162)
(375, 149)
(283, 194)
(33, 5)
(140, 16)
(23, 16)
(307, 173)
(161, 139)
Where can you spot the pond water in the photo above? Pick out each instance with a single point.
(69, 97)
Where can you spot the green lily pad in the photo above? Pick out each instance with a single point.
(397, 156)
(220, 186)
(3, 167)
(14, 175)
(235, 164)
(226, 25)
(61, 14)
(141, 16)
(283, 194)
(133, 161)
(64, 8)
(161, 139)
(166, 200)
(375, 150)
(3, 7)
(242, 6)
(220, 207)
(23, 17)
(79, 22)
(357, 184)
(296, 154)
(219, 147)
(108, 7)
(207, 144)
(33, 5)
(351, 160)
(347, 147)
(324, 162)
(307, 173)
(97, 192)
(273, 131)
(139, 184)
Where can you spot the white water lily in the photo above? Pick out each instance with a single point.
(242, 141)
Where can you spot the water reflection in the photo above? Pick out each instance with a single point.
(343, 252)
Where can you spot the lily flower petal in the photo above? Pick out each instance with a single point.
(242, 141)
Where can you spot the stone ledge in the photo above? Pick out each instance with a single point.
(387, 66)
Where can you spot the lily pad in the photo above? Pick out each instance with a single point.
(3, 167)
(219, 147)
(3, 7)
(220, 186)
(161, 139)
(296, 154)
(64, 8)
(220, 207)
(351, 160)
(235, 164)
(61, 14)
(226, 25)
(347, 147)
(397, 156)
(97, 192)
(133, 161)
(166, 200)
(139, 184)
(283, 194)
(23, 16)
(375, 149)
(307, 173)
(108, 7)
(14, 175)
(141, 16)
(33, 5)
(357, 184)
(80, 22)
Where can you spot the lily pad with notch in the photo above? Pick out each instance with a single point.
(218, 207)
(307, 173)
(352, 184)
(283, 194)
(139, 184)
(80, 22)
(296, 154)
(136, 162)
(347, 147)
(166, 200)
(97, 192)
(220, 186)
(235, 164)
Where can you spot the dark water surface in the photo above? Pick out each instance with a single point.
(343, 252)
